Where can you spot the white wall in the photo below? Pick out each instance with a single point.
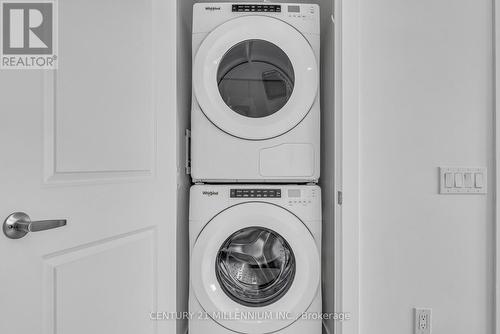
(426, 101)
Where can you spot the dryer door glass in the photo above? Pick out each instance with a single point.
(255, 78)
(255, 266)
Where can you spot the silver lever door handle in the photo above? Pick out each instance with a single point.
(18, 224)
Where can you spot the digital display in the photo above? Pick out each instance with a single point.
(294, 9)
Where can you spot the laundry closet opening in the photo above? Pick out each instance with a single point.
(279, 85)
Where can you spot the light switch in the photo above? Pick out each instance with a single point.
(468, 180)
(462, 180)
(449, 180)
(459, 180)
(479, 180)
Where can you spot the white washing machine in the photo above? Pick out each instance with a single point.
(255, 106)
(255, 259)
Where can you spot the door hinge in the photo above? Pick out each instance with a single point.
(187, 162)
(340, 198)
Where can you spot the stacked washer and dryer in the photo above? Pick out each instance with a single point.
(255, 208)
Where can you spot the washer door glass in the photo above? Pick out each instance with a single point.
(255, 78)
(255, 266)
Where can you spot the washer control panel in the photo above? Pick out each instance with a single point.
(255, 193)
(302, 200)
(300, 197)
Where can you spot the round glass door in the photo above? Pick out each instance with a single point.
(255, 266)
(255, 78)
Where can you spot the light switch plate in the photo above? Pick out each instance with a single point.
(462, 180)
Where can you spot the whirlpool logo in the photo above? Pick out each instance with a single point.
(210, 193)
(212, 8)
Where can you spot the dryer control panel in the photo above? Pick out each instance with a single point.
(256, 8)
(303, 17)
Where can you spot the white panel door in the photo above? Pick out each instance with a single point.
(92, 143)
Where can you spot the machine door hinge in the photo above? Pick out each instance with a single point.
(187, 163)
(340, 198)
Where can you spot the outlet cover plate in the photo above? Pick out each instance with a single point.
(423, 320)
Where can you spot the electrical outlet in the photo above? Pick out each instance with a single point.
(423, 320)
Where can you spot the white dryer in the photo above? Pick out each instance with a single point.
(255, 259)
(255, 105)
